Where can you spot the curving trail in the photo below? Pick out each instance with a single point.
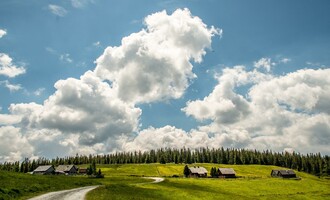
(156, 179)
(79, 193)
(73, 194)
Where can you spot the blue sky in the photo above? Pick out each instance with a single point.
(57, 40)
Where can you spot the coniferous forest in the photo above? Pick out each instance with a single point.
(311, 163)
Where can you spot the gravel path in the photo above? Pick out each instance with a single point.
(156, 179)
(78, 193)
(73, 194)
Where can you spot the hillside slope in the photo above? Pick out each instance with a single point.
(255, 183)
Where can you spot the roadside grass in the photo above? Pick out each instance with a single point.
(22, 186)
(255, 183)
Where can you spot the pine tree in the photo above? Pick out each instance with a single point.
(186, 171)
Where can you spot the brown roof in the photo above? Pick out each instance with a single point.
(198, 170)
(225, 171)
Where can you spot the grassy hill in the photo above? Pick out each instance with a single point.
(256, 183)
(124, 182)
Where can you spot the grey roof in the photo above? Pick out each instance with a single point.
(287, 172)
(42, 168)
(198, 170)
(225, 171)
(64, 168)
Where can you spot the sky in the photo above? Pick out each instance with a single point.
(96, 76)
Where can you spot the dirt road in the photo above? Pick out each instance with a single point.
(156, 179)
(79, 193)
(73, 194)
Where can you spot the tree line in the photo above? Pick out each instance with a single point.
(311, 163)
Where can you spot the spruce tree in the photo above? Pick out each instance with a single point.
(186, 171)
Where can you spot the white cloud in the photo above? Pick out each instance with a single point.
(66, 58)
(7, 68)
(97, 44)
(171, 137)
(81, 3)
(264, 63)
(6, 119)
(307, 90)
(51, 50)
(285, 60)
(86, 107)
(290, 111)
(57, 10)
(13, 146)
(39, 91)
(154, 64)
(11, 87)
(223, 104)
(2, 33)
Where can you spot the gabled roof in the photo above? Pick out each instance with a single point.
(64, 168)
(43, 168)
(198, 170)
(287, 172)
(225, 171)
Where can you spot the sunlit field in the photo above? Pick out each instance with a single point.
(128, 182)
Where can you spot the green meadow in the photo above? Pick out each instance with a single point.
(127, 182)
(254, 183)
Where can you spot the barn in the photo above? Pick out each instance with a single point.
(44, 170)
(283, 173)
(226, 173)
(66, 169)
(197, 171)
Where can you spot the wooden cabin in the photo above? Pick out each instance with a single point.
(197, 171)
(44, 170)
(226, 173)
(283, 173)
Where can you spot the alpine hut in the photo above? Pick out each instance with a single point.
(66, 169)
(44, 170)
(226, 173)
(283, 173)
(197, 171)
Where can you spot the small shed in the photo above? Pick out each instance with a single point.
(82, 171)
(197, 171)
(44, 170)
(283, 173)
(226, 173)
(66, 169)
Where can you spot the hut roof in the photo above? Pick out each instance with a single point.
(42, 168)
(64, 168)
(198, 170)
(287, 172)
(225, 171)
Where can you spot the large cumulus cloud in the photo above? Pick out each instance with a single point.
(85, 106)
(154, 64)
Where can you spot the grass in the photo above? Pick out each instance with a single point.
(255, 183)
(22, 186)
(124, 182)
